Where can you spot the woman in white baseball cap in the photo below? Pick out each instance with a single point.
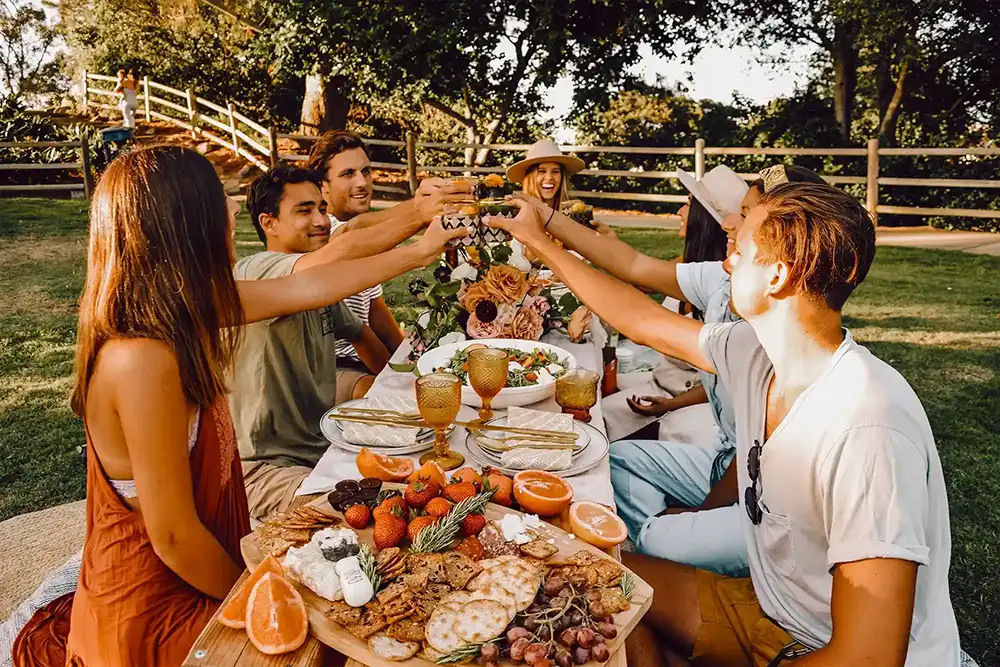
(544, 172)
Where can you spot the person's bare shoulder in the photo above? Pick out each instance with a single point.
(131, 362)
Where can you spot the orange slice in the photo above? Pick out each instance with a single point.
(234, 613)
(429, 472)
(596, 524)
(276, 618)
(542, 492)
(385, 468)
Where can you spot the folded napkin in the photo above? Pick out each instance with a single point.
(382, 436)
(538, 420)
(524, 458)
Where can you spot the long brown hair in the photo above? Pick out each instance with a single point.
(531, 187)
(159, 266)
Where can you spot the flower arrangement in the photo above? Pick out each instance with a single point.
(491, 292)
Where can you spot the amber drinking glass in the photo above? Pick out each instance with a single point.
(576, 392)
(439, 398)
(487, 375)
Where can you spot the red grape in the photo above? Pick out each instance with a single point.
(608, 630)
(581, 656)
(600, 652)
(564, 658)
(534, 653)
(516, 633)
(599, 610)
(553, 585)
(490, 653)
(531, 625)
(518, 647)
(593, 595)
(568, 637)
(586, 637)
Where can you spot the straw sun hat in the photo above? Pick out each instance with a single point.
(545, 150)
(720, 191)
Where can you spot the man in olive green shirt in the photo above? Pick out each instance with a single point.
(286, 370)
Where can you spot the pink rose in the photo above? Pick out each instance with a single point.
(527, 324)
(498, 328)
(537, 303)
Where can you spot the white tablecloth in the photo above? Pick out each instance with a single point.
(337, 464)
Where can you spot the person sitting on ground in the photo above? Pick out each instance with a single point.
(159, 326)
(286, 371)
(341, 157)
(845, 512)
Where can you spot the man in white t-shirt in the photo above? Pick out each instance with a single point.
(845, 509)
(341, 158)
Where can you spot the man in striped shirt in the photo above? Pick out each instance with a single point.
(341, 157)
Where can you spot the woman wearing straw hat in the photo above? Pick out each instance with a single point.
(544, 172)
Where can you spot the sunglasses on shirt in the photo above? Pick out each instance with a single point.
(752, 496)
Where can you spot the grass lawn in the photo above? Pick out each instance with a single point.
(934, 315)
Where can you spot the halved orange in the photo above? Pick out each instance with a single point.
(276, 620)
(597, 524)
(542, 492)
(385, 468)
(234, 612)
(429, 472)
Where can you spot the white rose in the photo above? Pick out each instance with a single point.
(464, 271)
(517, 258)
(453, 337)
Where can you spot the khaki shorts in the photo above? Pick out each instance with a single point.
(270, 488)
(348, 376)
(734, 629)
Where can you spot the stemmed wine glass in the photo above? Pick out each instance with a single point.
(488, 369)
(439, 398)
(576, 392)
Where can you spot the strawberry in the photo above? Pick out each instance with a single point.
(471, 547)
(438, 507)
(418, 524)
(357, 516)
(388, 504)
(420, 493)
(389, 530)
(472, 524)
(456, 492)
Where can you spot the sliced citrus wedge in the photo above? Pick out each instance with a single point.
(234, 612)
(597, 524)
(276, 619)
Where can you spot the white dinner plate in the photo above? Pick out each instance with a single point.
(596, 451)
(334, 434)
(582, 440)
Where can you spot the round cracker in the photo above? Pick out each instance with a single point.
(442, 628)
(501, 595)
(482, 621)
(388, 648)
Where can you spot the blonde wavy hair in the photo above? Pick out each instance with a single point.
(531, 187)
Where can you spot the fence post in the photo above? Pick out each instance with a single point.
(411, 161)
(84, 91)
(88, 179)
(871, 192)
(272, 145)
(192, 113)
(232, 128)
(145, 94)
(699, 158)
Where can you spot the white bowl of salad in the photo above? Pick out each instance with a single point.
(532, 369)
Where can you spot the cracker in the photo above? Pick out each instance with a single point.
(344, 614)
(501, 595)
(372, 621)
(539, 549)
(459, 569)
(389, 648)
(408, 630)
(482, 620)
(614, 600)
(442, 628)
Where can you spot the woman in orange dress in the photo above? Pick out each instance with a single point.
(166, 505)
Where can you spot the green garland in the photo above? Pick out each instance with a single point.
(628, 585)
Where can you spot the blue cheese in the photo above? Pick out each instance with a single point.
(519, 530)
(314, 564)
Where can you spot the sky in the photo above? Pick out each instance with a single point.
(716, 74)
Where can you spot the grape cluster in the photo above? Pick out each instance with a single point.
(563, 626)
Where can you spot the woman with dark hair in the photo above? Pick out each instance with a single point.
(159, 326)
(704, 241)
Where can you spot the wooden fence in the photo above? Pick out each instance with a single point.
(82, 166)
(259, 145)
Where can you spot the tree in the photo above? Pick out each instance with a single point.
(27, 51)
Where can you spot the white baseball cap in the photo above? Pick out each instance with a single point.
(720, 191)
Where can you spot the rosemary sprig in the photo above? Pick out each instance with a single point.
(367, 560)
(440, 536)
(628, 585)
(467, 652)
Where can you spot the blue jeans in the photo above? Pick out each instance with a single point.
(647, 475)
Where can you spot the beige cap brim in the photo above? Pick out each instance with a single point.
(517, 171)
